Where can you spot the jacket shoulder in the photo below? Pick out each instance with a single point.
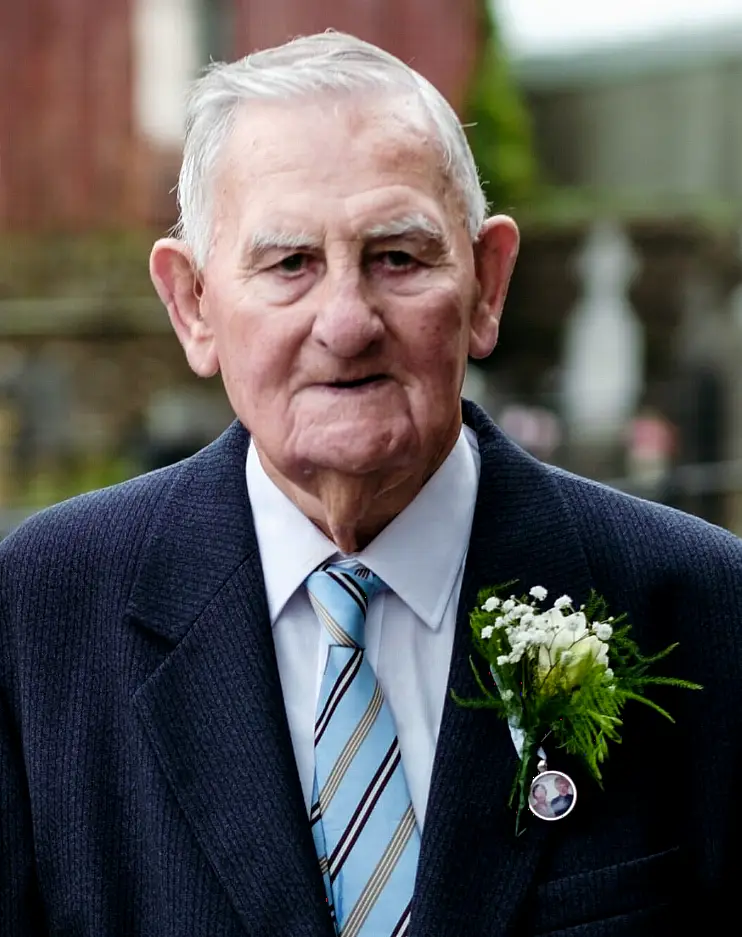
(117, 520)
(106, 522)
(621, 530)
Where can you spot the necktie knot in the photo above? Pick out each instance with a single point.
(340, 594)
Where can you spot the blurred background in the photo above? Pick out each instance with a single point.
(612, 132)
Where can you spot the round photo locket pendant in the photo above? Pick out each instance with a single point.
(552, 795)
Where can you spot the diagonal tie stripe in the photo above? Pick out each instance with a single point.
(403, 925)
(338, 635)
(381, 875)
(333, 700)
(363, 811)
(318, 834)
(362, 820)
(330, 787)
(351, 587)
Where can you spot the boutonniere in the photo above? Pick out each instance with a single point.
(561, 674)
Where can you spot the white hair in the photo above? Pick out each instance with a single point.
(328, 62)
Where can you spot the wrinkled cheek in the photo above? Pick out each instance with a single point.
(444, 368)
(239, 383)
(249, 400)
(444, 356)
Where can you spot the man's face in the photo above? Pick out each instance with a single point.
(562, 787)
(340, 287)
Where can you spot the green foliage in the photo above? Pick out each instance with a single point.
(38, 489)
(499, 128)
(570, 680)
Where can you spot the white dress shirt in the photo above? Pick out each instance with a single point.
(409, 628)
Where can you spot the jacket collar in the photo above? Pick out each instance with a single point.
(201, 533)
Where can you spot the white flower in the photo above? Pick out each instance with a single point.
(563, 601)
(487, 631)
(549, 621)
(602, 630)
(577, 622)
(519, 638)
(608, 673)
(571, 651)
(508, 605)
(503, 659)
(491, 604)
(541, 622)
(539, 593)
(507, 695)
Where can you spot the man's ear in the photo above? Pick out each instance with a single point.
(180, 288)
(495, 252)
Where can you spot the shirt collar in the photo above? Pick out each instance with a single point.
(439, 518)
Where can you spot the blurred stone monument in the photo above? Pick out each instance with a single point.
(602, 374)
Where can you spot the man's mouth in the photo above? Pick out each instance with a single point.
(358, 382)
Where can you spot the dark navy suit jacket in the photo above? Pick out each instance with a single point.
(147, 781)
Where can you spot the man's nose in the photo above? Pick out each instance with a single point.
(347, 320)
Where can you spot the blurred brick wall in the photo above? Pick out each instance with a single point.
(437, 37)
(70, 158)
(66, 136)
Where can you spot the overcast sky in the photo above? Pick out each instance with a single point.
(537, 25)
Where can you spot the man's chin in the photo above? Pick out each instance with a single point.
(362, 449)
(352, 461)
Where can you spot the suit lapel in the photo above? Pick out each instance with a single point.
(473, 869)
(213, 711)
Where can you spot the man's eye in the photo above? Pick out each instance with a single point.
(293, 264)
(397, 260)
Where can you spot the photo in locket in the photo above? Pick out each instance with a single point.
(552, 795)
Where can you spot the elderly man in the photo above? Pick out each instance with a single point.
(225, 687)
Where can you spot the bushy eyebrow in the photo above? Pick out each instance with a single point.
(408, 226)
(262, 242)
(413, 226)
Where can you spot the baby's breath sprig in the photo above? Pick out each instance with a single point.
(559, 672)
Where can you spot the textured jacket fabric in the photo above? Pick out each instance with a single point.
(147, 780)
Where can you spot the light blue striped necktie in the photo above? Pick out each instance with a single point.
(362, 818)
